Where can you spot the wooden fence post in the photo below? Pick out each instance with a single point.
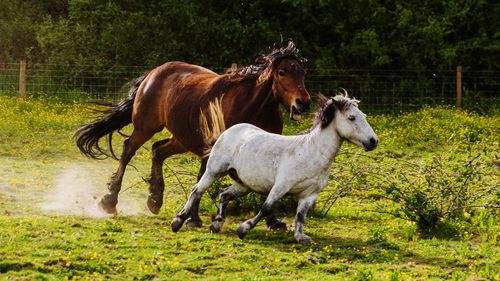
(459, 86)
(22, 79)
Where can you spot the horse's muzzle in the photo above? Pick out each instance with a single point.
(298, 107)
(304, 106)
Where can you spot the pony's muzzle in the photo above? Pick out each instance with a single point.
(371, 144)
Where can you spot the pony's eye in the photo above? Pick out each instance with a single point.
(281, 72)
(351, 118)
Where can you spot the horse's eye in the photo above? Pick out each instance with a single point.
(281, 72)
(352, 118)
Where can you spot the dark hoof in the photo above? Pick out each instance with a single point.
(176, 224)
(303, 239)
(278, 225)
(108, 204)
(190, 223)
(242, 230)
(216, 226)
(154, 204)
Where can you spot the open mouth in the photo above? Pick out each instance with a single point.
(295, 114)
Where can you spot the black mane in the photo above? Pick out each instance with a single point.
(272, 58)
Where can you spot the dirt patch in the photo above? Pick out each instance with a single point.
(74, 193)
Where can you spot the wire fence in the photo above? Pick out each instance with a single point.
(381, 91)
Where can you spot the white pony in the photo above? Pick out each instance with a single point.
(277, 165)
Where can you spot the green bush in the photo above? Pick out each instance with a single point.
(435, 194)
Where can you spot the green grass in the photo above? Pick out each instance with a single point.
(355, 240)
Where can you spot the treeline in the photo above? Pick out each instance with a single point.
(381, 34)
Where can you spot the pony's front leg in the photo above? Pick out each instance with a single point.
(303, 206)
(274, 223)
(277, 191)
(195, 196)
(234, 191)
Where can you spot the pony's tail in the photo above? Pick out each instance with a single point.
(113, 119)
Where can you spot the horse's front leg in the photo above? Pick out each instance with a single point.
(276, 193)
(303, 206)
(234, 191)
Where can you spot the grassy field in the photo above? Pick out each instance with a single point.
(51, 228)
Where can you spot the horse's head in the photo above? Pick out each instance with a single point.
(288, 86)
(350, 122)
(284, 68)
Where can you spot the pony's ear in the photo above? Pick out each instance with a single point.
(337, 103)
(343, 92)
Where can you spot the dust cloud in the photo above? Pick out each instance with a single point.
(74, 193)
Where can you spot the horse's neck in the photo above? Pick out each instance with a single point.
(263, 97)
(261, 108)
(325, 143)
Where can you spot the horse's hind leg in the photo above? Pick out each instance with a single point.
(234, 191)
(161, 151)
(130, 146)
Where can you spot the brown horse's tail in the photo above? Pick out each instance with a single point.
(113, 119)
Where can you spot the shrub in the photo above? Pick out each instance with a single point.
(433, 193)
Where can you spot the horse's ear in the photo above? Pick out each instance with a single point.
(266, 73)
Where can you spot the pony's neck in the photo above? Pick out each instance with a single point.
(325, 142)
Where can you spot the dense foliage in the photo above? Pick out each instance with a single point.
(347, 34)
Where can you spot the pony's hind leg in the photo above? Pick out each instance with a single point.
(194, 220)
(194, 197)
(130, 146)
(161, 151)
(303, 206)
(234, 191)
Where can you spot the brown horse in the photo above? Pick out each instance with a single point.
(196, 105)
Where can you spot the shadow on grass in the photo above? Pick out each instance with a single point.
(327, 247)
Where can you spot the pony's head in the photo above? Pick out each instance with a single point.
(283, 67)
(350, 122)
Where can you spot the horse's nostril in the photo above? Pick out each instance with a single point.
(304, 106)
(373, 141)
